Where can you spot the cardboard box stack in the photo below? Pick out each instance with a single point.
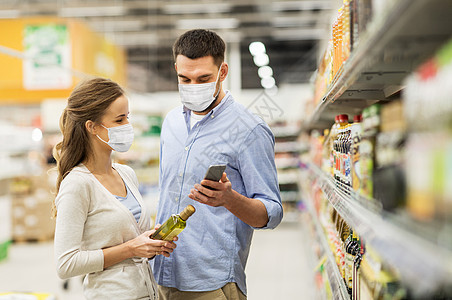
(31, 209)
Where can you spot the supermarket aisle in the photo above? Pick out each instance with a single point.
(277, 268)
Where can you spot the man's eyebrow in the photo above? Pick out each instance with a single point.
(198, 78)
(121, 115)
(204, 76)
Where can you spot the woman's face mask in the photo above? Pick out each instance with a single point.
(198, 97)
(120, 138)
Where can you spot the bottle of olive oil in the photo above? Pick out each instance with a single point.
(174, 225)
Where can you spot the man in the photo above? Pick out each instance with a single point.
(210, 128)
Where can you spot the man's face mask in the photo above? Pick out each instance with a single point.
(198, 97)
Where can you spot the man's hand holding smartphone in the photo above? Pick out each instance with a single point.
(215, 189)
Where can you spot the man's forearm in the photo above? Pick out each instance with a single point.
(250, 211)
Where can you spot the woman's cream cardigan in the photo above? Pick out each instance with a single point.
(89, 219)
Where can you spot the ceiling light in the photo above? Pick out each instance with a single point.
(256, 48)
(9, 14)
(261, 60)
(36, 135)
(222, 23)
(89, 11)
(272, 91)
(300, 5)
(135, 38)
(265, 72)
(117, 25)
(268, 83)
(196, 8)
(299, 34)
(302, 20)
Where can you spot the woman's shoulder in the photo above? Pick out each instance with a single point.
(126, 173)
(78, 176)
(124, 168)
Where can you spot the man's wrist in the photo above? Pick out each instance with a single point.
(230, 202)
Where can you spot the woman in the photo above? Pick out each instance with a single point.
(102, 226)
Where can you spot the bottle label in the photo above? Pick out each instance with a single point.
(349, 270)
(173, 233)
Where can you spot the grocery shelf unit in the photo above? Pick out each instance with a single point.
(338, 288)
(406, 34)
(396, 42)
(287, 151)
(397, 244)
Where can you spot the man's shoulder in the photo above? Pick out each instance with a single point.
(246, 117)
(175, 112)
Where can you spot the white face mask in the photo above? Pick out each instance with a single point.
(120, 138)
(198, 97)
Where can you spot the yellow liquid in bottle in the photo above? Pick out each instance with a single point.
(174, 225)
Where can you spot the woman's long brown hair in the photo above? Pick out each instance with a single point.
(88, 101)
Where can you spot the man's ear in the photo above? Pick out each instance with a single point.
(175, 67)
(224, 71)
(91, 127)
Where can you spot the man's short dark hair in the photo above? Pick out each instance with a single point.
(199, 43)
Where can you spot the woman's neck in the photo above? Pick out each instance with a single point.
(99, 164)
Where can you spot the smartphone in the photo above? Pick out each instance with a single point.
(214, 173)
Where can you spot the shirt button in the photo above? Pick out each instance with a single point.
(212, 116)
(186, 148)
(177, 199)
(181, 174)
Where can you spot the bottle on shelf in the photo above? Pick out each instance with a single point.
(371, 124)
(339, 149)
(356, 139)
(347, 156)
(174, 225)
(330, 144)
(351, 251)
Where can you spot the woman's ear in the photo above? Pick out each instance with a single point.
(91, 127)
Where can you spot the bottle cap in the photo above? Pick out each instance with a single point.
(187, 212)
(343, 118)
(357, 118)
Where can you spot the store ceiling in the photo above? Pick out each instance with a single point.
(291, 31)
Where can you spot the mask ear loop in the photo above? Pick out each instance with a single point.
(101, 138)
(218, 82)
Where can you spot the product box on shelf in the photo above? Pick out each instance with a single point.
(31, 217)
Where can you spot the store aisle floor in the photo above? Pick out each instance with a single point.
(277, 268)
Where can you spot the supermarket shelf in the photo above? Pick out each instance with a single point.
(423, 266)
(397, 41)
(338, 287)
(286, 132)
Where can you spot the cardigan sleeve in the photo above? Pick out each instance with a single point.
(72, 205)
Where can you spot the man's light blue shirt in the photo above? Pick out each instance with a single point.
(213, 248)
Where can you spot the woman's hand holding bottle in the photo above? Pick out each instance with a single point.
(143, 246)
